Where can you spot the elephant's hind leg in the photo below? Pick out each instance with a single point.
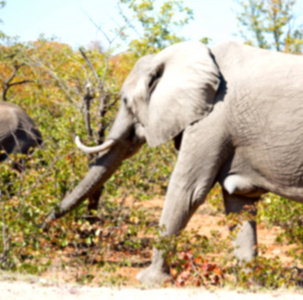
(245, 242)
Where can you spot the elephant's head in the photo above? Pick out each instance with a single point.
(162, 95)
(168, 91)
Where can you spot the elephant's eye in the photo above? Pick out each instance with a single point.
(124, 99)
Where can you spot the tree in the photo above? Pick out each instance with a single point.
(13, 58)
(156, 25)
(271, 24)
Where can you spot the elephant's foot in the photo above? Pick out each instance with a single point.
(152, 276)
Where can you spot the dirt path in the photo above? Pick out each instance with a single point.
(36, 291)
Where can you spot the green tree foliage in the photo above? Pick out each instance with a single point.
(156, 23)
(271, 24)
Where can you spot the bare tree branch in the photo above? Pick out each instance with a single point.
(90, 66)
(102, 100)
(6, 84)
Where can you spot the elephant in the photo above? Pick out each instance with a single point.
(18, 132)
(235, 113)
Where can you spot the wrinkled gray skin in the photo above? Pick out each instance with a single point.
(239, 112)
(18, 132)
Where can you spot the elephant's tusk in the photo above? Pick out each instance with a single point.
(89, 150)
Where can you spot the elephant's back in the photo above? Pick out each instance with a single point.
(16, 125)
(8, 119)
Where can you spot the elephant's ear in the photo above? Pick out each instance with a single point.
(181, 90)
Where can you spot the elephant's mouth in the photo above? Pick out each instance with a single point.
(178, 140)
(137, 138)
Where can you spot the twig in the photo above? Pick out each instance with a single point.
(88, 97)
(90, 66)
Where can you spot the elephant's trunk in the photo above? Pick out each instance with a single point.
(103, 168)
(123, 141)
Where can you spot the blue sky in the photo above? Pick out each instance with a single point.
(68, 20)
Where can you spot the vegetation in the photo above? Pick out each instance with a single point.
(271, 24)
(159, 22)
(67, 92)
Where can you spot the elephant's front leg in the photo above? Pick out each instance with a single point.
(194, 175)
(180, 204)
(245, 242)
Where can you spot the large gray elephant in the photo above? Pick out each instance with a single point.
(235, 112)
(18, 132)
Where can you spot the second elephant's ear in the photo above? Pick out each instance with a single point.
(181, 89)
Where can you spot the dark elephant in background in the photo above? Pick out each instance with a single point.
(236, 115)
(18, 132)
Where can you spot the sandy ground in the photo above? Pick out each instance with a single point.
(53, 286)
(11, 290)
